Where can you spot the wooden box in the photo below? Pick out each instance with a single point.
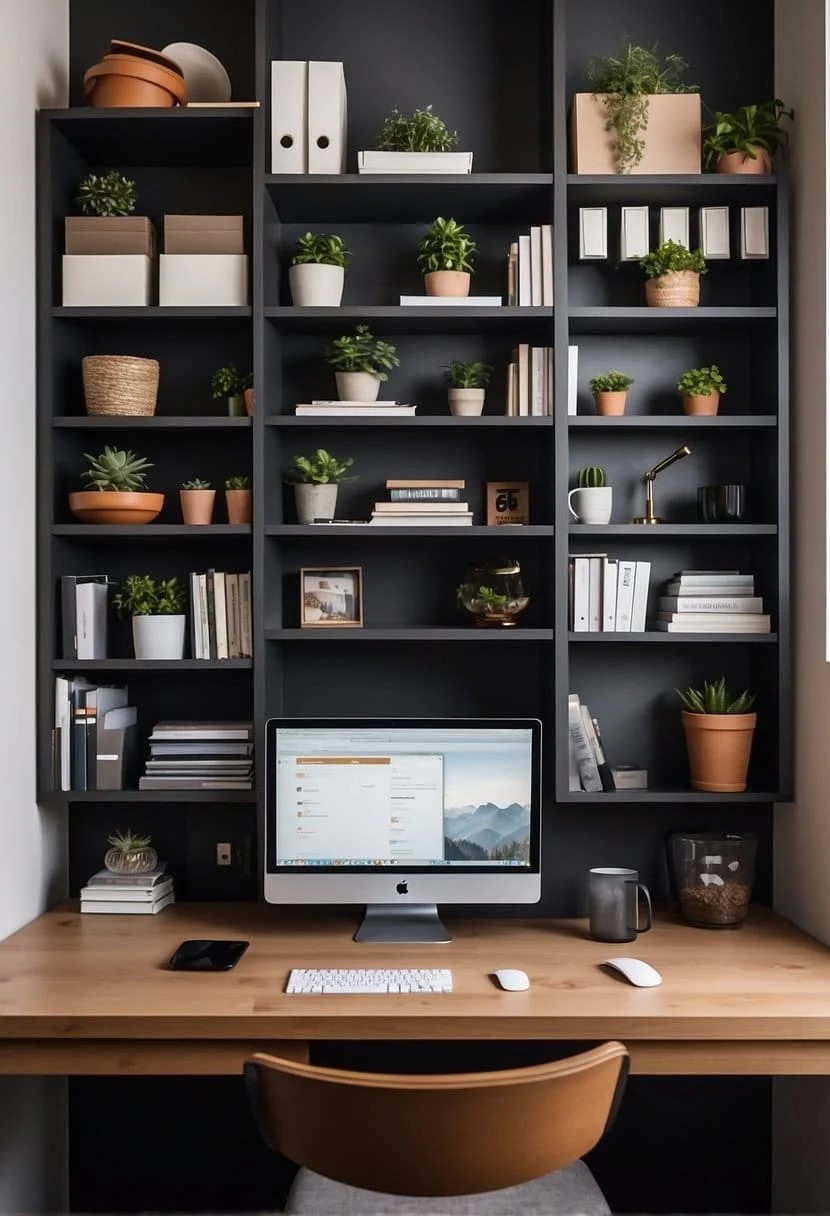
(110, 234)
(203, 234)
(203, 279)
(672, 137)
(119, 280)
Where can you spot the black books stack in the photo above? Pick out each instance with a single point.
(200, 756)
(429, 502)
(588, 769)
(711, 601)
(220, 615)
(139, 894)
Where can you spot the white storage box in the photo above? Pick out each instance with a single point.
(95, 279)
(203, 278)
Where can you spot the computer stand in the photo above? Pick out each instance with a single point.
(395, 923)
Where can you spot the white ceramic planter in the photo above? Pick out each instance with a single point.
(316, 286)
(158, 637)
(315, 502)
(357, 386)
(591, 504)
(466, 402)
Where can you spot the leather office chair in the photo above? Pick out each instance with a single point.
(383, 1144)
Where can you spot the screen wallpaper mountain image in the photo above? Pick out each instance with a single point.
(487, 833)
(487, 804)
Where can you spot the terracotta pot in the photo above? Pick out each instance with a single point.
(248, 396)
(719, 746)
(701, 403)
(240, 506)
(609, 402)
(127, 80)
(675, 289)
(736, 162)
(135, 49)
(115, 506)
(447, 283)
(197, 506)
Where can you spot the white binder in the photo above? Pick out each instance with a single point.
(674, 225)
(593, 232)
(326, 117)
(714, 232)
(289, 116)
(633, 233)
(754, 232)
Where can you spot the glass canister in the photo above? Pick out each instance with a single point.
(493, 594)
(713, 877)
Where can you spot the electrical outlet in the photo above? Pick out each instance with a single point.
(223, 853)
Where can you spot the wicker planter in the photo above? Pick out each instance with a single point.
(675, 289)
(120, 385)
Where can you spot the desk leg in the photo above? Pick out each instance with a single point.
(139, 1057)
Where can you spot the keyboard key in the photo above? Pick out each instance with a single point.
(302, 980)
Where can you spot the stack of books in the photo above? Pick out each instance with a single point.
(530, 269)
(587, 767)
(530, 382)
(220, 615)
(355, 409)
(607, 595)
(414, 162)
(711, 601)
(139, 894)
(200, 756)
(422, 503)
(450, 301)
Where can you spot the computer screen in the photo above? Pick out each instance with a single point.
(401, 814)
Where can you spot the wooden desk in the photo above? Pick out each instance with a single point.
(91, 995)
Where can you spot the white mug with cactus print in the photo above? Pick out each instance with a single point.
(591, 504)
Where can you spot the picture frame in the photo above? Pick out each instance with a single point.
(331, 597)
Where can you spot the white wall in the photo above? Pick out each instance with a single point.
(801, 1108)
(34, 47)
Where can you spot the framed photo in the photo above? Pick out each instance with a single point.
(331, 597)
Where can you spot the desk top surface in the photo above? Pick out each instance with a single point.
(72, 976)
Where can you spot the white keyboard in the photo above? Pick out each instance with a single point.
(403, 979)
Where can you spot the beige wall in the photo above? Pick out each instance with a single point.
(34, 44)
(801, 1108)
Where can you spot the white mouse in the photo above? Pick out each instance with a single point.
(511, 980)
(643, 975)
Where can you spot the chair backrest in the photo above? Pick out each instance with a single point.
(446, 1134)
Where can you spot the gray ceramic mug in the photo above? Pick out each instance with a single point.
(614, 905)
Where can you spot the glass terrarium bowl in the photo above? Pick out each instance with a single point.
(493, 594)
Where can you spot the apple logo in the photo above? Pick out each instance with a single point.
(402, 888)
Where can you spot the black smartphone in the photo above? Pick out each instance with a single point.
(207, 955)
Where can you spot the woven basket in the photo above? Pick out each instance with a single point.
(120, 384)
(675, 289)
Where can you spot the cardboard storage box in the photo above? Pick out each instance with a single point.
(94, 279)
(110, 234)
(672, 137)
(203, 278)
(203, 234)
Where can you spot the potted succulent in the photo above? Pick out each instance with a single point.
(593, 498)
(108, 224)
(239, 499)
(155, 606)
(317, 270)
(467, 383)
(118, 496)
(746, 141)
(315, 480)
(196, 497)
(719, 731)
(673, 276)
(229, 382)
(640, 117)
(700, 389)
(420, 142)
(446, 257)
(130, 853)
(361, 362)
(610, 392)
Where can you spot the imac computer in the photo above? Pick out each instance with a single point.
(401, 814)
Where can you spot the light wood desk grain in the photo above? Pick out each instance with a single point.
(91, 995)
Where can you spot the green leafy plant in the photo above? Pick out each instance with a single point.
(468, 375)
(362, 352)
(625, 84)
(196, 483)
(611, 382)
(421, 131)
(229, 381)
(240, 482)
(319, 469)
(127, 842)
(491, 601)
(142, 595)
(745, 131)
(591, 478)
(715, 699)
(115, 469)
(109, 194)
(671, 256)
(701, 381)
(322, 249)
(447, 246)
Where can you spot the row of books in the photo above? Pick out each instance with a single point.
(530, 382)
(139, 894)
(220, 615)
(711, 601)
(607, 595)
(530, 269)
(94, 736)
(416, 502)
(199, 756)
(588, 768)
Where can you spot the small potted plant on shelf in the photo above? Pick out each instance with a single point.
(446, 257)
(700, 389)
(593, 499)
(107, 225)
(156, 607)
(229, 382)
(673, 276)
(420, 142)
(315, 480)
(493, 593)
(130, 853)
(239, 499)
(719, 731)
(746, 141)
(317, 270)
(467, 382)
(196, 497)
(611, 392)
(361, 363)
(118, 496)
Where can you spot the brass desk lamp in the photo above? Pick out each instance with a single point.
(650, 517)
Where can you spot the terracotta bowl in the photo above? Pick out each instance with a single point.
(115, 506)
(127, 80)
(119, 47)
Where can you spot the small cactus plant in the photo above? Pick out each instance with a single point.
(591, 478)
(196, 483)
